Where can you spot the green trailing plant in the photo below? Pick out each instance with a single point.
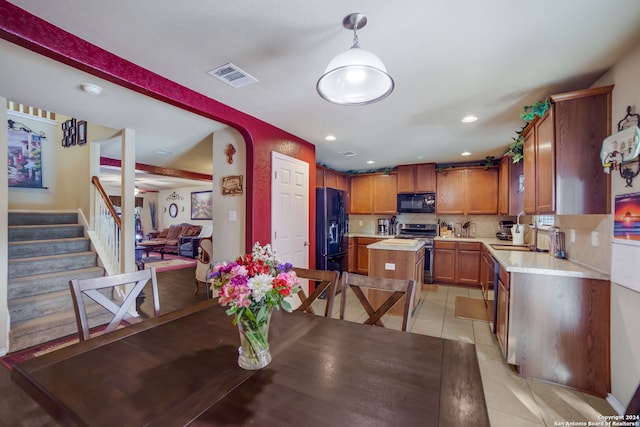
(530, 112)
(536, 110)
(488, 162)
(516, 150)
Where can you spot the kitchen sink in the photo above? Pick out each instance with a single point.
(506, 247)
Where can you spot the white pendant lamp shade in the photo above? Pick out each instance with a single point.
(357, 76)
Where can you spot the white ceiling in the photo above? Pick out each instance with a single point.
(448, 59)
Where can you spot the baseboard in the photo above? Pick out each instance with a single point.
(615, 404)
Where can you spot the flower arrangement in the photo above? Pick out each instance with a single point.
(251, 287)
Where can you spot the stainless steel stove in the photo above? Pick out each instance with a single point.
(426, 233)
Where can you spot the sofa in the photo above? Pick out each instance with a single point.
(173, 237)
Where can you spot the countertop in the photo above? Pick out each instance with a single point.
(532, 262)
(408, 245)
(371, 235)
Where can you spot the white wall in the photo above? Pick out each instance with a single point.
(182, 198)
(228, 234)
(625, 303)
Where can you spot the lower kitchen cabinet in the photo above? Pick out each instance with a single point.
(456, 262)
(359, 254)
(406, 265)
(556, 329)
(487, 266)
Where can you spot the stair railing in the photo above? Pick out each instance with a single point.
(107, 228)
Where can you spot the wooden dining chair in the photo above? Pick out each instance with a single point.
(396, 289)
(326, 282)
(119, 299)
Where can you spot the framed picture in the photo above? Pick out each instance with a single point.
(202, 205)
(232, 185)
(626, 225)
(82, 132)
(69, 133)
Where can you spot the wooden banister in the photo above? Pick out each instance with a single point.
(96, 182)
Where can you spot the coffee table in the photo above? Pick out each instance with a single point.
(152, 246)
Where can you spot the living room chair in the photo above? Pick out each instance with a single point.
(326, 285)
(204, 264)
(396, 288)
(92, 288)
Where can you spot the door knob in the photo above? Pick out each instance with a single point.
(307, 243)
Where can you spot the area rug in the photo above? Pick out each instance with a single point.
(170, 264)
(474, 309)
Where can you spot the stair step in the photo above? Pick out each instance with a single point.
(18, 233)
(42, 218)
(51, 327)
(31, 248)
(49, 282)
(33, 306)
(22, 267)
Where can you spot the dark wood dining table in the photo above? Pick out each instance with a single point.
(181, 369)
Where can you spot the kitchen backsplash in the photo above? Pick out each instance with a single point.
(486, 225)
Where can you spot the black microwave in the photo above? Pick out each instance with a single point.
(417, 203)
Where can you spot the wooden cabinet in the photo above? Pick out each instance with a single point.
(417, 178)
(406, 265)
(444, 262)
(332, 179)
(456, 262)
(561, 155)
(510, 190)
(351, 254)
(374, 194)
(359, 254)
(557, 329)
(467, 191)
(487, 265)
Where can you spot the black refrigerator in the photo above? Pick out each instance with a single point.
(332, 242)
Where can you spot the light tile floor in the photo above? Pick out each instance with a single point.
(511, 400)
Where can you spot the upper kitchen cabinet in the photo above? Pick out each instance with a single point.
(374, 194)
(417, 178)
(511, 188)
(562, 169)
(467, 191)
(332, 179)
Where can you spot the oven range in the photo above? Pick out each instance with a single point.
(426, 233)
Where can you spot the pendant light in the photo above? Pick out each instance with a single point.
(357, 76)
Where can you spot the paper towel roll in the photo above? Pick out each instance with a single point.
(517, 232)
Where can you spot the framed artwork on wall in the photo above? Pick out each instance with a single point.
(232, 185)
(202, 205)
(82, 132)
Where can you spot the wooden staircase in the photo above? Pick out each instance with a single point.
(46, 250)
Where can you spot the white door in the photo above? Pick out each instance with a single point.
(290, 210)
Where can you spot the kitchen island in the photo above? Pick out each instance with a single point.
(397, 259)
(552, 318)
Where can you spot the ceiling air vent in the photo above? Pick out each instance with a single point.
(347, 153)
(232, 75)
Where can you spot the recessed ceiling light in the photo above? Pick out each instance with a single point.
(91, 89)
(370, 162)
(466, 153)
(330, 138)
(469, 119)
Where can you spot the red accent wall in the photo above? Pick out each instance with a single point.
(31, 32)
